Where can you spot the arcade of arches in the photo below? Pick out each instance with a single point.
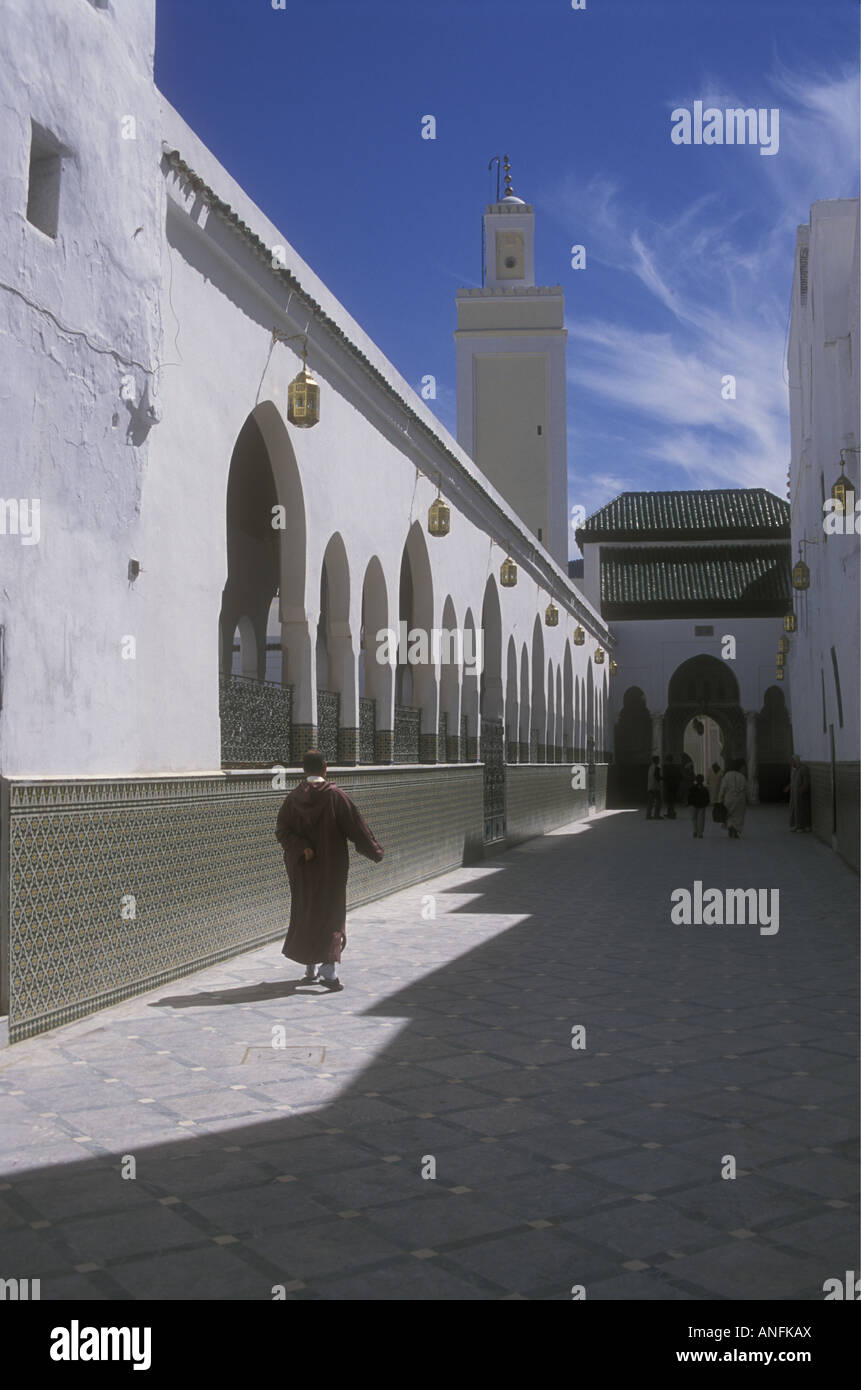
(293, 675)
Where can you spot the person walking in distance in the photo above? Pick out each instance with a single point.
(653, 790)
(715, 778)
(733, 794)
(671, 778)
(698, 800)
(314, 824)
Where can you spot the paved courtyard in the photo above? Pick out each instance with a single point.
(450, 1051)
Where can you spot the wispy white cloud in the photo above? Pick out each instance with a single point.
(717, 273)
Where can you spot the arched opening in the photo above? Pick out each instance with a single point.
(512, 705)
(492, 731)
(525, 714)
(376, 677)
(469, 698)
(538, 731)
(701, 686)
(550, 740)
(773, 745)
(558, 713)
(335, 662)
(589, 732)
(416, 732)
(568, 705)
(450, 671)
(260, 687)
(632, 747)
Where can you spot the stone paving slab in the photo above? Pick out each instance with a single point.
(431, 1133)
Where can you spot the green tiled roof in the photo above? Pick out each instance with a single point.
(669, 580)
(721, 514)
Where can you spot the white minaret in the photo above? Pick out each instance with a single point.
(511, 375)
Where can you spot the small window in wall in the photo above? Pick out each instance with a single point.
(43, 187)
(99, 4)
(705, 631)
(837, 686)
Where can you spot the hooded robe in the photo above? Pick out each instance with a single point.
(733, 794)
(318, 815)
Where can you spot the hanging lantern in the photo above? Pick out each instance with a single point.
(840, 489)
(790, 623)
(303, 398)
(779, 673)
(800, 575)
(439, 516)
(781, 659)
(783, 644)
(551, 615)
(508, 573)
(579, 636)
(614, 666)
(599, 656)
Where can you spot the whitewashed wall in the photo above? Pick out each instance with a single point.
(147, 270)
(823, 361)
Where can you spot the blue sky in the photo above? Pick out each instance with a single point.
(316, 110)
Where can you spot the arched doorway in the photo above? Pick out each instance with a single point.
(702, 686)
(262, 693)
(492, 730)
(773, 745)
(632, 748)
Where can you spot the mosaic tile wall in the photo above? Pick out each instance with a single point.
(540, 798)
(196, 862)
(407, 734)
(255, 721)
(367, 727)
(328, 723)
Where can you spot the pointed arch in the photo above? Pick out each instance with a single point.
(376, 677)
(491, 681)
(538, 731)
(524, 753)
(512, 704)
(568, 704)
(450, 677)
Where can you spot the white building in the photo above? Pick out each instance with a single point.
(180, 515)
(695, 586)
(823, 662)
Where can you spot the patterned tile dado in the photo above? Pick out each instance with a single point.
(115, 887)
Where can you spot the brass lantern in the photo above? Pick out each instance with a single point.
(781, 659)
(790, 623)
(551, 615)
(840, 489)
(779, 673)
(614, 666)
(508, 573)
(439, 516)
(800, 574)
(783, 645)
(579, 636)
(599, 656)
(303, 398)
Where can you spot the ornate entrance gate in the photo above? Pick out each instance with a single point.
(493, 757)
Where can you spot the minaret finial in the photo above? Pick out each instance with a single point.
(509, 191)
